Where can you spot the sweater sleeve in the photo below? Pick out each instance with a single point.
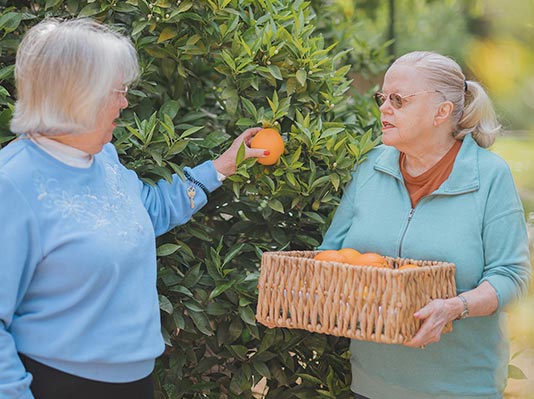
(19, 246)
(342, 220)
(170, 204)
(506, 252)
(507, 266)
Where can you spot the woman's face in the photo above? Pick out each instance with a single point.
(110, 112)
(410, 126)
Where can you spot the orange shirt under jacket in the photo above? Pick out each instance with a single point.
(429, 181)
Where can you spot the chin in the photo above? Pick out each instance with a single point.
(388, 139)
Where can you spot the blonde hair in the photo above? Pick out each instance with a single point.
(473, 110)
(64, 74)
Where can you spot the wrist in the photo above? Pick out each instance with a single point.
(222, 167)
(464, 307)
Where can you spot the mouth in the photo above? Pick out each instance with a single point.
(387, 125)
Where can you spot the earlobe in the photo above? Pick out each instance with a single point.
(443, 113)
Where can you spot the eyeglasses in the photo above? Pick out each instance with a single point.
(123, 91)
(396, 99)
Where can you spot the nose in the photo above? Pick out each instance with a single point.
(124, 102)
(386, 106)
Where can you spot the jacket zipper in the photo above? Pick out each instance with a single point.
(410, 215)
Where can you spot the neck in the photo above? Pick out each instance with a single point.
(81, 141)
(418, 161)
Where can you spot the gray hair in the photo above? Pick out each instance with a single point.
(473, 110)
(64, 73)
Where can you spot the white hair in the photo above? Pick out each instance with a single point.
(473, 110)
(64, 74)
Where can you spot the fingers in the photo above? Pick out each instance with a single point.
(424, 312)
(255, 153)
(248, 134)
(432, 326)
(246, 137)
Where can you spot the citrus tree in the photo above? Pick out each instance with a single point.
(210, 69)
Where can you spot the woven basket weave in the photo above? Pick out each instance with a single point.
(360, 302)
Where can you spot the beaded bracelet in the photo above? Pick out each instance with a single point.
(196, 182)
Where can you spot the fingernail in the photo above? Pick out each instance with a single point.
(266, 152)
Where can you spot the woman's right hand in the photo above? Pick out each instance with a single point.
(226, 163)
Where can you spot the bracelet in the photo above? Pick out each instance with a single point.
(465, 312)
(196, 182)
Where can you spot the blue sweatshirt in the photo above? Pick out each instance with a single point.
(474, 220)
(78, 264)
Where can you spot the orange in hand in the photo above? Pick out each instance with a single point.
(330, 255)
(270, 140)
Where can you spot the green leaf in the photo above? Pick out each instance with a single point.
(232, 253)
(240, 157)
(275, 71)
(516, 373)
(10, 21)
(221, 288)
(262, 368)
(165, 304)
(247, 315)
(191, 131)
(331, 132)
(301, 76)
(167, 34)
(90, 10)
(167, 249)
(201, 322)
(276, 205)
(51, 3)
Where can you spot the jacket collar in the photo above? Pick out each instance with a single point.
(463, 178)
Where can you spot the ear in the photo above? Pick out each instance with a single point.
(443, 113)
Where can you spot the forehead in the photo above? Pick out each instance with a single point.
(403, 79)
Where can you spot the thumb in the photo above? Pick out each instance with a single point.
(257, 153)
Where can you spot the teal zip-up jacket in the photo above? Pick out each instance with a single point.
(474, 220)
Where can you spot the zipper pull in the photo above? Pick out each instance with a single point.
(191, 191)
(412, 211)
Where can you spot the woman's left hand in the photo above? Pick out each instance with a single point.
(435, 315)
(226, 163)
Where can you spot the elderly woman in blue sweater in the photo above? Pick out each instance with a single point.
(433, 192)
(79, 314)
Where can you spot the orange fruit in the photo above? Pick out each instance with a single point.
(372, 259)
(351, 255)
(408, 266)
(330, 255)
(270, 140)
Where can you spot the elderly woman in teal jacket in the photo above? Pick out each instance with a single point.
(432, 192)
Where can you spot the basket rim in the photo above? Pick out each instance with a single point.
(433, 263)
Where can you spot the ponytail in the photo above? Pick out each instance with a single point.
(478, 117)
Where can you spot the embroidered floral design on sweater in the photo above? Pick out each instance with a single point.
(109, 210)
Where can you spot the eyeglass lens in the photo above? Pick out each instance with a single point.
(394, 98)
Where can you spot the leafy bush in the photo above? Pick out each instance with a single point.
(209, 70)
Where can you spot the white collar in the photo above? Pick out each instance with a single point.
(64, 153)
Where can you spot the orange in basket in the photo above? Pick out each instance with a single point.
(408, 266)
(331, 255)
(351, 255)
(372, 259)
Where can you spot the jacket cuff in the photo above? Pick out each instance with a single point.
(207, 174)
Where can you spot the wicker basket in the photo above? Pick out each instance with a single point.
(360, 302)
